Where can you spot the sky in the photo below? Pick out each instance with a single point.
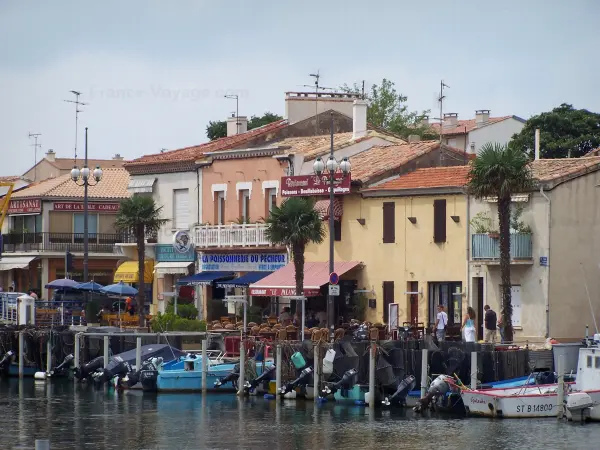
(154, 72)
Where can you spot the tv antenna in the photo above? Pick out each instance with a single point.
(77, 111)
(440, 99)
(35, 146)
(317, 77)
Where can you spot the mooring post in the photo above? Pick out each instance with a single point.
(42, 444)
(277, 369)
(204, 364)
(138, 353)
(560, 395)
(242, 377)
(76, 353)
(21, 350)
(473, 370)
(372, 375)
(49, 354)
(106, 347)
(317, 373)
(424, 373)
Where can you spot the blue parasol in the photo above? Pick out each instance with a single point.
(62, 283)
(120, 289)
(91, 286)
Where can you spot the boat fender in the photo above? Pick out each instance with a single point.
(39, 375)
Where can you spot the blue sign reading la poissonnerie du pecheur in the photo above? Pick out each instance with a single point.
(242, 262)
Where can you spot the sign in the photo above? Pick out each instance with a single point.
(334, 278)
(543, 261)
(235, 298)
(309, 185)
(28, 206)
(334, 290)
(112, 208)
(282, 292)
(182, 241)
(242, 262)
(167, 253)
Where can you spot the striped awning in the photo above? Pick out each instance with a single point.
(322, 207)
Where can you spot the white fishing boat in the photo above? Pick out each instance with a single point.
(584, 402)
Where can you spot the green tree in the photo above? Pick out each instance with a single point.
(501, 171)
(218, 129)
(388, 110)
(295, 224)
(141, 217)
(565, 132)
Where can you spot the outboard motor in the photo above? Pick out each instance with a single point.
(545, 378)
(149, 373)
(347, 382)
(7, 359)
(88, 369)
(404, 387)
(66, 362)
(232, 377)
(302, 380)
(266, 376)
(116, 367)
(438, 387)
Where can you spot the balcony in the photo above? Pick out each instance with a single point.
(234, 235)
(486, 248)
(58, 242)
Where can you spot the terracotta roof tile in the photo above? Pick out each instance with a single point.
(9, 179)
(465, 126)
(595, 152)
(112, 186)
(431, 177)
(554, 169)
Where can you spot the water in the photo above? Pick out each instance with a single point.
(78, 417)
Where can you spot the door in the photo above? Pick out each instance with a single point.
(388, 297)
(478, 281)
(516, 305)
(413, 299)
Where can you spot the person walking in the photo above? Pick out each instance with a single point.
(490, 323)
(468, 326)
(440, 324)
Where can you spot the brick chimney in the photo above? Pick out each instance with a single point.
(450, 120)
(50, 155)
(117, 157)
(425, 121)
(236, 125)
(482, 117)
(359, 119)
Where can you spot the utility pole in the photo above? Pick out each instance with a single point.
(77, 111)
(35, 145)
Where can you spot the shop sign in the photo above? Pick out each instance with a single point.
(309, 185)
(282, 292)
(92, 207)
(167, 253)
(27, 206)
(182, 242)
(242, 262)
(78, 275)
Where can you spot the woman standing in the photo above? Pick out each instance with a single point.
(468, 326)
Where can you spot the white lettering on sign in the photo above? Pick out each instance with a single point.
(242, 262)
(25, 206)
(96, 207)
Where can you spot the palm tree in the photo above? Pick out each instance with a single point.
(141, 217)
(501, 171)
(295, 224)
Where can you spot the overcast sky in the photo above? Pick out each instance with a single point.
(154, 72)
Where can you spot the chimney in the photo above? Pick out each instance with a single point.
(117, 157)
(414, 138)
(482, 117)
(237, 125)
(450, 120)
(359, 119)
(537, 143)
(50, 155)
(425, 121)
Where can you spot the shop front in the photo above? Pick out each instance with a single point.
(171, 265)
(99, 270)
(128, 272)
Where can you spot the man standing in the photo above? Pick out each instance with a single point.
(490, 320)
(440, 324)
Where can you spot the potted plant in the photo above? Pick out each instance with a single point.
(482, 224)
(516, 224)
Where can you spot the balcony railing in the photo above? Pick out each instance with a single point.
(59, 242)
(234, 235)
(485, 247)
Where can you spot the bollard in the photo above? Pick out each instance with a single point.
(317, 373)
(278, 369)
(138, 354)
(49, 355)
(424, 374)
(21, 350)
(372, 376)
(242, 377)
(42, 444)
(560, 395)
(77, 349)
(106, 351)
(204, 365)
(473, 370)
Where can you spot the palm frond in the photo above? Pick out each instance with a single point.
(139, 211)
(295, 222)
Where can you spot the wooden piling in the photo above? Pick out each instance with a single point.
(317, 372)
(49, 354)
(106, 351)
(278, 369)
(372, 356)
(560, 395)
(21, 350)
(77, 349)
(242, 377)
(204, 364)
(473, 370)
(424, 374)
(138, 353)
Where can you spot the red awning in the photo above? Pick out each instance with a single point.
(322, 207)
(283, 281)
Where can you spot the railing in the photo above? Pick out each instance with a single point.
(47, 314)
(486, 247)
(234, 235)
(59, 242)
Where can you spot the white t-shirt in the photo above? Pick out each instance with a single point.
(442, 318)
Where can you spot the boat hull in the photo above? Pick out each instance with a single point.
(539, 401)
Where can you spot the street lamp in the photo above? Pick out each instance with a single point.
(82, 178)
(331, 166)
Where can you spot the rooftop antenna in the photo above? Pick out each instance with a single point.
(35, 146)
(440, 99)
(77, 111)
(316, 76)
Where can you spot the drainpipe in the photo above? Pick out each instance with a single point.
(467, 289)
(547, 277)
(198, 196)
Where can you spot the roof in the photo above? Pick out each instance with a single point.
(466, 126)
(68, 163)
(595, 152)
(112, 186)
(431, 177)
(10, 179)
(562, 169)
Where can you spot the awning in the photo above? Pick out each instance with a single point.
(283, 281)
(15, 262)
(322, 207)
(128, 272)
(244, 280)
(204, 278)
(141, 186)
(176, 267)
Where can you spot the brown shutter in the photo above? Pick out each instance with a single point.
(389, 222)
(439, 221)
(388, 298)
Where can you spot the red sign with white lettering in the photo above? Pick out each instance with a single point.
(93, 207)
(311, 185)
(27, 206)
(282, 292)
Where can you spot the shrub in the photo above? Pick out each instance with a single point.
(171, 322)
(187, 311)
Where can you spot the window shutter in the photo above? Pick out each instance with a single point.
(388, 298)
(389, 222)
(182, 209)
(439, 221)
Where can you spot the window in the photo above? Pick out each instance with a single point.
(271, 199)
(27, 223)
(389, 222)
(245, 205)
(589, 362)
(448, 294)
(181, 209)
(597, 362)
(337, 230)
(78, 223)
(220, 208)
(388, 298)
(439, 221)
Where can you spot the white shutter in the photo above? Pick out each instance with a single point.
(181, 210)
(516, 305)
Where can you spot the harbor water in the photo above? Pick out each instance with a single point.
(77, 416)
